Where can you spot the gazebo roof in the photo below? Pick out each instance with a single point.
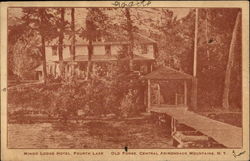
(167, 73)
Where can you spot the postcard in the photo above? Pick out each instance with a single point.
(125, 80)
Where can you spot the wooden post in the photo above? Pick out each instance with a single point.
(54, 71)
(173, 125)
(194, 81)
(176, 99)
(194, 93)
(195, 42)
(149, 95)
(185, 92)
(158, 94)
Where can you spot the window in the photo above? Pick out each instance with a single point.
(155, 49)
(125, 49)
(144, 49)
(108, 50)
(71, 49)
(54, 50)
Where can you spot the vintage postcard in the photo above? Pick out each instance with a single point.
(125, 80)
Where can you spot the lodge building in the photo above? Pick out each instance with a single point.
(104, 51)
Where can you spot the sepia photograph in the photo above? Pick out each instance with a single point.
(124, 78)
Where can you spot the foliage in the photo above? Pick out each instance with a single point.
(175, 39)
(96, 24)
(113, 93)
(33, 18)
(31, 97)
(128, 103)
(23, 50)
(120, 90)
(25, 39)
(213, 50)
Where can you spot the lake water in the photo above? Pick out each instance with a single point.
(89, 134)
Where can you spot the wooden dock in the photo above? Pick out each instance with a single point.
(226, 134)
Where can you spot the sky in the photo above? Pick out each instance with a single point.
(179, 12)
(80, 14)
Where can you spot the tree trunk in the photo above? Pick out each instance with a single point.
(61, 66)
(90, 53)
(44, 61)
(73, 33)
(225, 101)
(73, 39)
(43, 47)
(206, 34)
(130, 37)
(91, 35)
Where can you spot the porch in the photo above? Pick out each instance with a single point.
(101, 64)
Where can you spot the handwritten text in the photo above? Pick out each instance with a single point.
(142, 3)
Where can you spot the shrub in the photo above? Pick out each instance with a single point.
(113, 92)
(127, 104)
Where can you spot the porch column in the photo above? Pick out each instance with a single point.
(185, 92)
(158, 94)
(54, 71)
(194, 93)
(149, 95)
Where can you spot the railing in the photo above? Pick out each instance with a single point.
(179, 102)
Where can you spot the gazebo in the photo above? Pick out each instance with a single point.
(159, 83)
(167, 88)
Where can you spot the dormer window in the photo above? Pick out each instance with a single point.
(108, 50)
(54, 50)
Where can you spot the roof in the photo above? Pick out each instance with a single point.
(103, 58)
(39, 68)
(118, 39)
(164, 73)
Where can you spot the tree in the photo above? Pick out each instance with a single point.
(23, 51)
(129, 29)
(213, 47)
(91, 28)
(95, 29)
(175, 38)
(61, 37)
(40, 21)
(225, 102)
(171, 32)
(73, 39)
